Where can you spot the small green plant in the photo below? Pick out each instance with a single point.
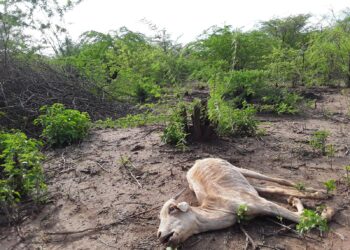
(280, 218)
(242, 212)
(21, 173)
(319, 139)
(300, 186)
(124, 160)
(175, 130)
(347, 169)
(62, 126)
(310, 220)
(330, 185)
(311, 104)
(261, 132)
(330, 152)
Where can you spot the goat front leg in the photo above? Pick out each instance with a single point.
(291, 192)
(272, 209)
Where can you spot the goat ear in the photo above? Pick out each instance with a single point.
(183, 206)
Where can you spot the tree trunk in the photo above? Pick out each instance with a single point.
(202, 129)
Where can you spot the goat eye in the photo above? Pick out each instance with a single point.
(172, 209)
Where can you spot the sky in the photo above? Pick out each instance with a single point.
(186, 19)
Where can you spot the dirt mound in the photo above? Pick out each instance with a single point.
(25, 87)
(96, 202)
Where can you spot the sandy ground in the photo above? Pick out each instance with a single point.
(91, 191)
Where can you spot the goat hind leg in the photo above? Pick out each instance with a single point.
(295, 202)
(290, 192)
(256, 175)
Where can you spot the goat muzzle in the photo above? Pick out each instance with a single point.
(164, 239)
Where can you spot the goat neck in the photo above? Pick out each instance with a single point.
(207, 219)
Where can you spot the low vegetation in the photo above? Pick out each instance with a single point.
(126, 79)
(131, 121)
(21, 173)
(319, 141)
(347, 169)
(242, 213)
(311, 220)
(175, 131)
(300, 186)
(62, 126)
(330, 185)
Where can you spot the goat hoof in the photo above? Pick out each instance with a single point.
(328, 213)
(293, 201)
(290, 200)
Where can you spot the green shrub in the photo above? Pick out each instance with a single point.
(21, 173)
(175, 132)
(243, 122)
(147, 91)
(280, 101)
(243, 86)
(62, 126)
(250, 86)
(309, 220)
(319, 139)
(232, 121)
(204, 72)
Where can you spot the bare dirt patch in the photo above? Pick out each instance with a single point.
(96, 203)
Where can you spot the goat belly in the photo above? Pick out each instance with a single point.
(218, 176)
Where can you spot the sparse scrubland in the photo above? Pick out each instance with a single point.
(274, 99)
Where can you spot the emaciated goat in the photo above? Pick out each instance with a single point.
(221, 189)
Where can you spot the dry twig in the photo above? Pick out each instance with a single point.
(125, 163)
(249, 239)
(101, 166)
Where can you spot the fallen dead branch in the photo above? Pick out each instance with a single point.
(342, 237)
(133, 203)
(293, 230)
(280, 231)
(101, 166)
(249, 239)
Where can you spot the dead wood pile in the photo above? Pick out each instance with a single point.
(25, 87)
